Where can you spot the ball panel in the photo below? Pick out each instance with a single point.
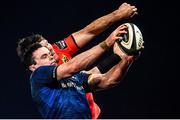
(127, 41)
(132, 42)
(139, 38)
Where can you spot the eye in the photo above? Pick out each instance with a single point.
(44, 56)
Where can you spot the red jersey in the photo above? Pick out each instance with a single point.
(65, 49)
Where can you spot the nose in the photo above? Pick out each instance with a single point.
(50, 57)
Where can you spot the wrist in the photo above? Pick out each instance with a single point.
(104, 45)
(116, 16)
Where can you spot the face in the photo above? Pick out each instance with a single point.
(42, 56)
(46, 44)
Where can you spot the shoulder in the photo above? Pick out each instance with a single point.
(44, 72)
(44, 69)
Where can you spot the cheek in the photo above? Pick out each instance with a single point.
(44, 62)
(47, 62)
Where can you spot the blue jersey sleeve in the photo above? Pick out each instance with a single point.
(84, 78)
(44, 74)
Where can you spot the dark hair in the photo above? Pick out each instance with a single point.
(24, 43)
(27, 58)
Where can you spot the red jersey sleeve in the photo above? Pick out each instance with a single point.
(67, 46)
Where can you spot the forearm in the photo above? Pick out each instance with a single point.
(111, 78)
(86, 34)
(85, 59)
(114, 75)
(100, 24)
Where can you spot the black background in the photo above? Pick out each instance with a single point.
(151, 87)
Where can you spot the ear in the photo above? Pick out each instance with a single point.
(32, 67)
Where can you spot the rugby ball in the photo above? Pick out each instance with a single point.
(132, 42)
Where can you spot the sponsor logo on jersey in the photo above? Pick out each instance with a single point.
(71, 85)
(64, 59)
(61, 44)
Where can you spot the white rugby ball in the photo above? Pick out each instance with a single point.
(132, 42)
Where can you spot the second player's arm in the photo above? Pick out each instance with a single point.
(85, 35)
(98, 81)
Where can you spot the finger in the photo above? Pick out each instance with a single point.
(135, 13)
(119, 38)
(128, 4)
(125, 3)
(121, 27)
(134, 9)
(122, 32)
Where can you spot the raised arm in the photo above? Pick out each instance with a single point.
(86, 34)
(99, 81)
(111, 78)
(83, 60)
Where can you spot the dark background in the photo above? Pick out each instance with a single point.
(151, 87)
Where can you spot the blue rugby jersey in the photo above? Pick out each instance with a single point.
(59, 99)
